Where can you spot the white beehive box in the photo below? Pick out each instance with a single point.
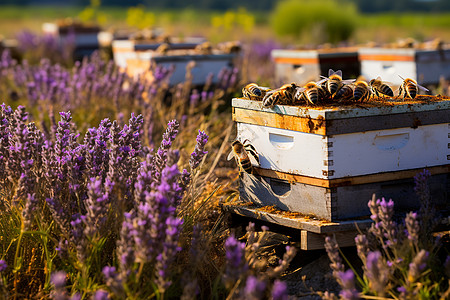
(301, 66)
(328, 162)
(124, 50)
(424, 66)
(138, 62)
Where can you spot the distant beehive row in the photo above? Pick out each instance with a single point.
(329, 90)
(426, 63)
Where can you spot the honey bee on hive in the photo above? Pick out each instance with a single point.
(344, 93)
(380, 88)
(334, 82)
(240, 153)
(410, 88)
(204, 48)
(254, 92)
(163, 49)
(310, 93)
(362, 91)
(282, 95)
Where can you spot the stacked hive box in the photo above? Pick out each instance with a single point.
(85, 38)
(302, 66)
(328, 162)
(136, 57)
(424, 66)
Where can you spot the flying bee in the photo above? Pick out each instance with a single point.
(334, 81)
(254, 92)
(344, 93)
(282, 95)
(240, 153)
(410, 88)
(312, 92)
(362, 91)
(378, 88)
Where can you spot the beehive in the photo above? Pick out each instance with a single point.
(85, 38)
(301, 66)
(136, 59)
(329, 161)
(424, 66)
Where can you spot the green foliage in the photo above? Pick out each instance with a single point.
(240, 19)
(325, 21)
(139, 18)
(92, 14)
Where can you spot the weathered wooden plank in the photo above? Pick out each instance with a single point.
(347, 181)
(313, 241)
(343, 112)
(305, 223)
(316, 126)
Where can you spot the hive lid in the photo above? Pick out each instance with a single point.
(349, 111)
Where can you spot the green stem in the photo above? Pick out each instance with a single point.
(16, 269)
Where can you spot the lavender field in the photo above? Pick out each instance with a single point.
(112, 185)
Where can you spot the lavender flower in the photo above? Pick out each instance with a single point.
(362, 246)
(349, 291)
(254, 288)
(113, 281)
(59, 281)
(412, 227)
(97, 207)
(235, 262)
(279, 290)
(417, 265)
(100, 295)
(3, 265)
(160, 158)
(199, 152)
(377, 272)
(336, 265)
(383, 227)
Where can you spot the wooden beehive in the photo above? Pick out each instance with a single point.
(424, 66)
(329, 161)
(301, 66)
(136, 59)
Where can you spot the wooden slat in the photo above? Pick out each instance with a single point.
(313, 241)
(295, 61)
(308, 224)
(324, 126)
(294, 123)
(329, 183)
(386, 57)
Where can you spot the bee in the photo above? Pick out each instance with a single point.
(344, 93)
(378, 87)
(334, 81)
(410, 88)
(240, 153)
(312, 92)
(163, 49)
(254, 92)
(362, 91)
(282, 95)
(204, 48)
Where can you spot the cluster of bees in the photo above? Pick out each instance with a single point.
(329, 89)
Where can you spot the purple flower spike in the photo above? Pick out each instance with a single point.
(199, 151)
(412, 227)
(3, 265)
(279, 290)
(377, 271)
(349, 291)
(418, 264)
(254, 288)
(234, 255)
(332, 249)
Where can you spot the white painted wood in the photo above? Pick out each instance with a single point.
(343, 155)
(426, 67)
